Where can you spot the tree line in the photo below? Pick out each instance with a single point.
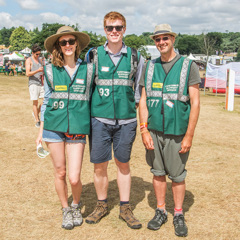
(205, 43)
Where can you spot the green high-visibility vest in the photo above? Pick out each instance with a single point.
(68, 109)
(113, 95)
(167, 96)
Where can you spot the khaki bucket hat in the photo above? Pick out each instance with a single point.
(82, 38)
(162, 29)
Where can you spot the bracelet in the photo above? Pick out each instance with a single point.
(143, 125)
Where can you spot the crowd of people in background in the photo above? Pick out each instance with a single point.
(12, 68)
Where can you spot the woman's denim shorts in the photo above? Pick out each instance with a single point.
(50, 136)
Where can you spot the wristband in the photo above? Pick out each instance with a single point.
(143, 125)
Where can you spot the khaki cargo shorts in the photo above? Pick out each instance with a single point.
(165, 159)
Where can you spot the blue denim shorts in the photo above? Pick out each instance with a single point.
(50, 136)
(103, 136)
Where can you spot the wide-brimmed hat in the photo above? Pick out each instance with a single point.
(163, 29)
(82, 38)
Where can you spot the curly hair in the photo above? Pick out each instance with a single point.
(57, 55)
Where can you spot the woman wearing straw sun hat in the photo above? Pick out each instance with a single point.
(65, 114)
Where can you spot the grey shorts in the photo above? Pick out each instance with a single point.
(104, 136)
(165, 159)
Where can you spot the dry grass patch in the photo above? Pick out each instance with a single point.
(30, 208)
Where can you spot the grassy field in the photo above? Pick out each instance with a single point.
(30, 208)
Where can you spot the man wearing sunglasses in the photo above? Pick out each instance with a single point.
(168, 109)
(34, 71)
(114, 101)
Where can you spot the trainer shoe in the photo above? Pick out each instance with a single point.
(158, 220)
(37, 124)
(76, 213)
(181, 229)
(67, 222)
(126, 214)
(99, 212)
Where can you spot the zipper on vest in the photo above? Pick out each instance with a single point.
(113, 83)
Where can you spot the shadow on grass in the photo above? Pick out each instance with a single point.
(139, 191)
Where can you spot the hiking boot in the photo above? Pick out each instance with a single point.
(126, 214)
(99, 212)
(181, 229)
(67, 222)
(76, 213)
(158, 220)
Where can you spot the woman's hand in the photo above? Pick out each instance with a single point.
(39, 138)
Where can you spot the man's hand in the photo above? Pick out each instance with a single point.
(147, 140)
(40, 69)
(186, 144)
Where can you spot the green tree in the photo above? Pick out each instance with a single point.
(134, 41)
(188, 44)
(47, 30)
(6, 33)
(231, 42)
(146, 37)
(210, 42)
(20, 39)
(96, 40)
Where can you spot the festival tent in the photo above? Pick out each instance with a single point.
(191, 57)
(26, 51)
(13, 57)
(216, 75)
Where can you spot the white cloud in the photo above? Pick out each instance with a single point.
(186, 16)
(2, 3)
(29, 4)
(6, 20)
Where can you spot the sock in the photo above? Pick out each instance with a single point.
(123, 202)
(74, 205)
(162, 207)
(178, 211)
(104, 200)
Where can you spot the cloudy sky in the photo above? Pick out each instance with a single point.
(185, 16)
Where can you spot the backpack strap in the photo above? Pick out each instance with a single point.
(92, 56)
(134, 63)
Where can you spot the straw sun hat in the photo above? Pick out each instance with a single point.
(162, 29)
(82, 38)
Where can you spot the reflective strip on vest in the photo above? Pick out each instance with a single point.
(168, 96)
(95, 60)
(110, 82)
(50, 74)
(72, 96)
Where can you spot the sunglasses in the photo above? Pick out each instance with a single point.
(110, 28)
(37, 54)
(159, 39)
(63, 43)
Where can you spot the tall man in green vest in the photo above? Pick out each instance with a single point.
(114, 101)
(169, 109)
